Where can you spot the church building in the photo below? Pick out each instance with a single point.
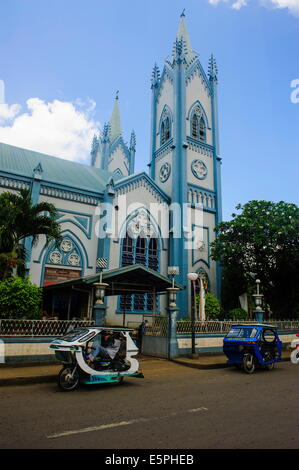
(107, 211)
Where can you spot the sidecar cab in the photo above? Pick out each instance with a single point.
(260, 340)
(80, 339)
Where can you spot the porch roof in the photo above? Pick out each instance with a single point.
(133, 279)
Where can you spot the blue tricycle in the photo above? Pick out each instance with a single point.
(250, 345)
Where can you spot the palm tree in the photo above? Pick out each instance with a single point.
(19, 219)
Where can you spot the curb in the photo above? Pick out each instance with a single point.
(28, 380)
(216, 365)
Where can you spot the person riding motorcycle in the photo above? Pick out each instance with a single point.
(107, 350)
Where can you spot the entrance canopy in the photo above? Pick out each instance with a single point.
(134, 279)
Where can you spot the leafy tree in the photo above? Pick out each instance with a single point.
(19, 298)
(237, 314)
(19, 219)
(263, 242)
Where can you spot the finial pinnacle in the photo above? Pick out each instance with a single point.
(116, 95)
(183, 13)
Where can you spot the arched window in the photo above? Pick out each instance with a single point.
(165, 128)
(140, 255)
(202, 130)
(127, 251)
(153, 254)
(197, 123)
(195, 132)
(162, 133)
(141, 250)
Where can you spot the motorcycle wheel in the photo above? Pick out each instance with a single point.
(248, 363)
(270, 366)
(66, 381)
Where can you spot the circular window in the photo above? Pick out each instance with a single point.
(165, 172)
(74, 259)
(55, 257)
(66, 245)
(199, 169)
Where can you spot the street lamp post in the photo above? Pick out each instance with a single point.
(193, 277)
(258, 312)
(172, 313)
(99, 308)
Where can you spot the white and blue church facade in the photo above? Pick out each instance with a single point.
(184, 169)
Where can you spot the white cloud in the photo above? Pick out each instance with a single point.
(292, 5)
(8, 112)
(239, 4)
(57, 128)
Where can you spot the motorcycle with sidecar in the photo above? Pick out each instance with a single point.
(73, 351)
(249, 346)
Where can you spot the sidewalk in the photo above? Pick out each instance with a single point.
(20, 375)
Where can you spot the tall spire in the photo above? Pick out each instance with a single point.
(155, 76)
(213, 71)
(115, 126)
(183, 37)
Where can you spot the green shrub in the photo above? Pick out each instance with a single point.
(212, 306)
(19, 298)
(237, 314)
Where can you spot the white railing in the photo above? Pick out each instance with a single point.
(12, 327)
(184, 327)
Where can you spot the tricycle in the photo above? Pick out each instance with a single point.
(81, 353)
(248, 346)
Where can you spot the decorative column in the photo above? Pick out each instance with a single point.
(213, 79)
(154, 86)
(99, 308)
(34, 194)
(104, 237)
(132, 153)
(178, 252)
(172, 310)
(105, 140)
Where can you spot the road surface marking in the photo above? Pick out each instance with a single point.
(121, 423)
(92, 428)
(195, 410)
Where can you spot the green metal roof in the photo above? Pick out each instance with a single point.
(22, 162)
(127, 279)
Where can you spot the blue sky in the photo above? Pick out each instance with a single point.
(80, 52)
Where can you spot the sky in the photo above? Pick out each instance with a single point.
(63, 61)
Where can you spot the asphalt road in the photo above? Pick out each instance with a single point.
(173, 407)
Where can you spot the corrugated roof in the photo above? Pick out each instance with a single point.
(22, 162)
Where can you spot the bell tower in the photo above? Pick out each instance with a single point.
(185, 159)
